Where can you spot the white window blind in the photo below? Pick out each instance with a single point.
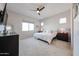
(63, 20)
(27, 26)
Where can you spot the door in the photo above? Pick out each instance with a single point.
(76, 34)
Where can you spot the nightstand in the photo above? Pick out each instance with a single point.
(62, 36)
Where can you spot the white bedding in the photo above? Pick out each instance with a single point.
(45, 36)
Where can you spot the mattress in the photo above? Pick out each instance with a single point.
(45, 36)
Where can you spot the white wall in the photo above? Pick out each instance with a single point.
(16, 20)
(52, 23)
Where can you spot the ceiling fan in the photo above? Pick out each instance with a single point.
(39, 9)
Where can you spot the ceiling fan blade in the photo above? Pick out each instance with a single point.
(41, 8)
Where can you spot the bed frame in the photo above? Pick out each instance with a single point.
(42, 40)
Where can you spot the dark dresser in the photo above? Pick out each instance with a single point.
(9, 45)
(62, 36)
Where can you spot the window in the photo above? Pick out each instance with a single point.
(8, 27)
(27, 26)
(42, 23)
(63, 20)
(31, 26)
(1, 28)
(24, 26)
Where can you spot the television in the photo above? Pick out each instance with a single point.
(4, 17)
(1, 20)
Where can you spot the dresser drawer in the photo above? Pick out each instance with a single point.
(62, 36)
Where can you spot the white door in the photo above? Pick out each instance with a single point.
(76, 35)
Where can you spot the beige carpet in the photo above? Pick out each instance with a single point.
(34, 47)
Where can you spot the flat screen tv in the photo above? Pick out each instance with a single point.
(3, 15)
(1, 20)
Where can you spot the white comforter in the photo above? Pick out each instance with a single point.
(45, 36)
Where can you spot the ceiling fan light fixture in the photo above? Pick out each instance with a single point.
(38, 11)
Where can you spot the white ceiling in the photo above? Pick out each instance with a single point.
(50, 9)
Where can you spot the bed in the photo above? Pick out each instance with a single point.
(44, 36)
